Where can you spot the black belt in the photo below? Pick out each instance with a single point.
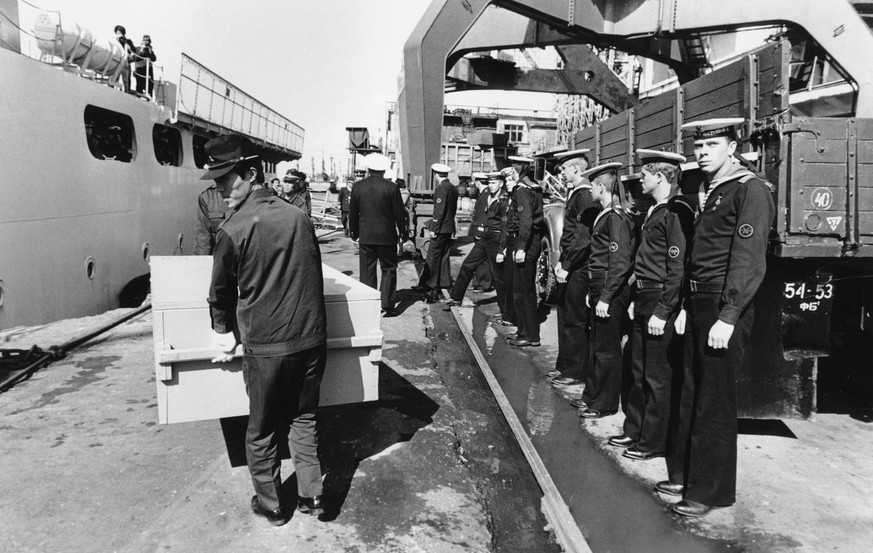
(488, 230)
(649, 285)
(706, 287)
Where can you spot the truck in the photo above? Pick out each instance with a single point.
(807, 98)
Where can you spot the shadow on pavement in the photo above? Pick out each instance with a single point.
(348, 434)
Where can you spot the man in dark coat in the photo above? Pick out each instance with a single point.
(437, 274)
(376, 220)
(267, 292)
(345, 197)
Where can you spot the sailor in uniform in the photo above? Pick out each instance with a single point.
(726, 266)
(436, 273)
(580, 210)
(526, 218)
(488, 215)
(659, 268)
(376, 220)
(610, 267)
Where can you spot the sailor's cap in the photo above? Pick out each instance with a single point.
(479, 176)
(224, 152)
(377, 162)
(595, 172)
(360, 171)
(657, 156)
(291, 175)
(710, 128)
(520, 159)
(440, 168)
(496, 175)
(572, 154)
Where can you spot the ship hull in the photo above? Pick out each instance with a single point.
(74, 229)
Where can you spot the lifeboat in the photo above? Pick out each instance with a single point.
(76, 44)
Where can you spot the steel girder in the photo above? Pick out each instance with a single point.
(836, 27)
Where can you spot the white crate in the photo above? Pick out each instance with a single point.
(190, 387)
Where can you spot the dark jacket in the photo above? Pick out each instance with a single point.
(301, 199)
(376, 213)
(489, 218)
(210, 214)
(662, 253)
(445, 205)
(528, 214)
(345, 196)
(267, 250)
(730, 240)
(579, 214)
(612, 246)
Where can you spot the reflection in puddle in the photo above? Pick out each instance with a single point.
(540, 408)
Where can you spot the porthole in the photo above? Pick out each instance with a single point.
(90, 268)
(145, 252)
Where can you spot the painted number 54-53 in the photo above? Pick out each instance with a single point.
(801, 290)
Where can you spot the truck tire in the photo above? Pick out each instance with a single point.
(547, 282)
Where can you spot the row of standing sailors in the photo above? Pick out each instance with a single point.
(688, 276)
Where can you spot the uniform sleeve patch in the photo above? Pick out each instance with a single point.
(673, 252)
(613, 247)
(439, 200)
(520, 208)
(746, 231)
(504, 218)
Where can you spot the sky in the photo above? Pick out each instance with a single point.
(325, 65)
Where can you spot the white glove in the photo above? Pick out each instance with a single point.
(519, 256)
(226, 344)
(560, 273)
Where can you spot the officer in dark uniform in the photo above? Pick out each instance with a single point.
(728, 259)
(506, 243)
(580, 210)
(212, 202)
(659, 268)
(267, 291)
(437, 274)
(298, 195)
(376, 220)
(488, 215)
(609, 268)
(527, 218)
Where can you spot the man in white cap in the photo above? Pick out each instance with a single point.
(377, 220)
(525, 228)
(580, 210)
(659, 268)
(436, 274)
(727, 263)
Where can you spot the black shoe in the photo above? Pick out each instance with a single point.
(432, 297)
(387, 313)
(276, 518)
(621, 441)
(669, 488)
(579, 403)
(310, 505)
(565, 381)
(691, 509)
(523, 343)
(637, 454)
(589, 413)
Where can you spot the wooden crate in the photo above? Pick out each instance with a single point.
(190, 387)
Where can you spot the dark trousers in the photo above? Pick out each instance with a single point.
(283, 392)
(702, 451)
(144, 81)
(573, 330)
(505, 301)
(524, 292)
(345, 220)
(482, 279)
(603, 380)
(436, 272)
(387, 257)
(484, 253)
(654, 360)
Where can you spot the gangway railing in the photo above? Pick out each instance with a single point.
(211, 99)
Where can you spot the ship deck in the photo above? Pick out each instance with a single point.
(431, 466)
